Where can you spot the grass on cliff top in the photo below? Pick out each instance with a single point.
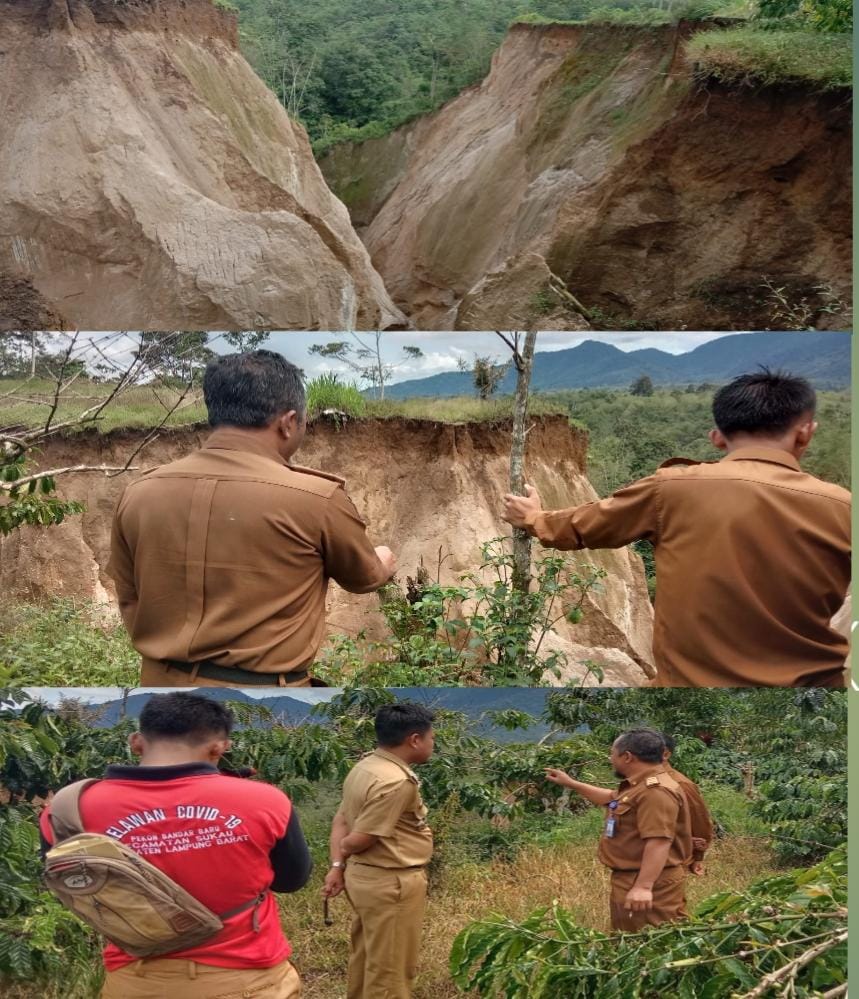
(755, 56)
(143, 407)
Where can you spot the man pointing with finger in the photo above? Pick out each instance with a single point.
(752, 554)
(647, 839)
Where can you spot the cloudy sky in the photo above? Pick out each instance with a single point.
(441, 351)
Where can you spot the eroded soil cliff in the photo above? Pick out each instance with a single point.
(149, 180)
(593, 154)
(424, 488)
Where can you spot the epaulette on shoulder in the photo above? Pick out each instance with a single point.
(304, 470)
(673, 462)
(652, 781)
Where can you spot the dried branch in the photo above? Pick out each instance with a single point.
(790, 969)
(54, 472)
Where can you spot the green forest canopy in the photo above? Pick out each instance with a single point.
(360, 69)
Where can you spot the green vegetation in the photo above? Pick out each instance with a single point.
(356, 73)
(483, 632)
(65, 644)
(327, 392)
(727, 946)
(507, 842)
(754, 56)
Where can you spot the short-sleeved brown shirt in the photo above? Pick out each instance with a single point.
(752, 561)
(699, 815)
(226, 555)
(381, 797)
(649, 806)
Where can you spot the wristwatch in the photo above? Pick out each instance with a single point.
(338, 863)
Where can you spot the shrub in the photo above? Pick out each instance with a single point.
(327, 392)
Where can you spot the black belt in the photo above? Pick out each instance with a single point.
(232, 674)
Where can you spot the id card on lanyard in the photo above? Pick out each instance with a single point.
(611, 821)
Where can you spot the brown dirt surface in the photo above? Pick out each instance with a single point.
(423, 487)
(659, 200)
(150, 180)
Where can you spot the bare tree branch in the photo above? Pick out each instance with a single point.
(54, 472)
(790, 969)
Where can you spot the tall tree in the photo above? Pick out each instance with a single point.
(364, 356)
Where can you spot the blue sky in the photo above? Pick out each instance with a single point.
(440, 351)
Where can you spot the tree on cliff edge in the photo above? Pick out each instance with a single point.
(522, 346)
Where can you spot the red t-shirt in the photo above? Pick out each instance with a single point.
(209, 832)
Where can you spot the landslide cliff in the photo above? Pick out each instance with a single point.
(424, 487)
(149, 180)
(593, 153)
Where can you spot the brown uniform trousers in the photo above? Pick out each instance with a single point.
(386, 930)
(753, 559)
(161, 978)
(387, 884)
(669, 900)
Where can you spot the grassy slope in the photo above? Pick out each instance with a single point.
(754, 56)
(465, 890)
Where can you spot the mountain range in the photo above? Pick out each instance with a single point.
(474, 702)
(822, 357)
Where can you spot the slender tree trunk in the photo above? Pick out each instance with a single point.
(521, 539)
(33, 354)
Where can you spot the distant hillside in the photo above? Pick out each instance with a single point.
(472, 702)
(823, 357)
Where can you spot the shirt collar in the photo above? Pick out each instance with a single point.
(385, 755)
(770, 454)
(234, 439)
(122, 771)
(650, 772)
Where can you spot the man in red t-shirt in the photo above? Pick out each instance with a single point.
(222, 839)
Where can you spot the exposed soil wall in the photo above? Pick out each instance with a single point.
(424, 487)
(592, 153)
(149, 180)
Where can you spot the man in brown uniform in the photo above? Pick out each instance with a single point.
(699, 815)
(222, 559)
(752, 554)
(380, 847)
(646, 841)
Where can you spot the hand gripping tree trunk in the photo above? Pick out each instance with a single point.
(523, 361)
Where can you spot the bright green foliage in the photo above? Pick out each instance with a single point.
(481, 632)
(821, 15)
(733, 942)
(32, 503)
(64, 644)
(756, 55)
(327, 391)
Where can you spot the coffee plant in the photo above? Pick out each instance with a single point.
(783, 935)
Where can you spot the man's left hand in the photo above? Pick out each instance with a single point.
(639, 899)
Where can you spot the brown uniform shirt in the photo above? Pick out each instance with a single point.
(699, 815)
(752, 559)
(226, 555)
(381, 797)
(648, 807)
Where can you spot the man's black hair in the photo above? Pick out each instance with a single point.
(766, 402)
(396, 722)
(644, 743)
(190, 718)
(250, 390)
(670, 742)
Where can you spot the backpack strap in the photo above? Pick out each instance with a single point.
(254, 904)
(65, 810)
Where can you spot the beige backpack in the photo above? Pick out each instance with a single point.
(119, 893)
